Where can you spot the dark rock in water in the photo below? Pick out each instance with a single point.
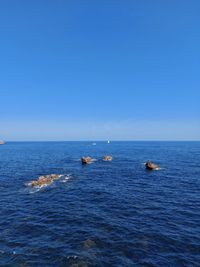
(76, 261)
(2, 142)
(151, 166)
(86, 160)
(45, 179)
(89, 244)
(107, 158)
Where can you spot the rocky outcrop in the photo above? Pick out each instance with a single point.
(151, 166)
(107, 158)
(45, 179)
(86, 160)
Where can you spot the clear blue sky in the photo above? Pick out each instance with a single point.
(99, 69)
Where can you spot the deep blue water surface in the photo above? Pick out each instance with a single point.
(104, 214)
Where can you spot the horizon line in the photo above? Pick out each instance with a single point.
(105, 140)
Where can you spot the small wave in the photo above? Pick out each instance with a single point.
(28, 184)
(156, 169)
(36, 189)
(72, 257)
(66, 178)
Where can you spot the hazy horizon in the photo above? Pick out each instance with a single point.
(38, 141)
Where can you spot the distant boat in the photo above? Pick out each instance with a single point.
(94, 144)
(2, 142)
(108, 142)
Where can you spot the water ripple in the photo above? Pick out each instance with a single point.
(105, 214)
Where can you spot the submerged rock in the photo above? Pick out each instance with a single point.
(89, 244)
(79, 263)
(45, 179)
(107, 158)
(86, 160)
(151, 166)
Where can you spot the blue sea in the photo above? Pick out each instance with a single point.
(103, 214)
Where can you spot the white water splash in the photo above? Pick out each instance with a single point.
(34, 189)
(66, 178)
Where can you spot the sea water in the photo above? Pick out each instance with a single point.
(103, 214)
